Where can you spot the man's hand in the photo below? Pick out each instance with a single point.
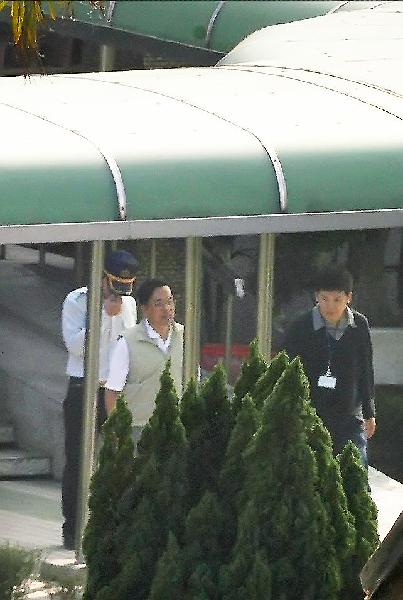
(113, 305)
(370, 426)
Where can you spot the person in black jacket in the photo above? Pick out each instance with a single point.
(334, 344)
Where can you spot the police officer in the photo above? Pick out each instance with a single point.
(119, 313)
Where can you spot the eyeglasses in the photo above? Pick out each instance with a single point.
(164, 303)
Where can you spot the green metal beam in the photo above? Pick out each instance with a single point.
(265, 293)
(91, 387)
(193, 307)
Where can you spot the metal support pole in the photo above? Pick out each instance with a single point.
(42, 256)
(265, 292)
(198, 301)
(106, 57)
(79, 263)
(228, 335)
(193, 307)
(153, 259)
(91, 368)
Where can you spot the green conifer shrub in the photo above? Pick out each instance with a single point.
(234, 575)
(330, 487)
(281, 483)
(191, 410)
(208, 422)
(168, 583)
(203, 547)
(158, 498)
(266, 382)
(364, 511)
(114, 474)
(251, 370)
(258, 582)
(233, 471)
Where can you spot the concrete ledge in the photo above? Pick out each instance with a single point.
(37, 418)
(15, 463)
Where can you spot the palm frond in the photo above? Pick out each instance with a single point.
(27, 15)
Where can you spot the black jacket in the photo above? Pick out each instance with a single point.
(350, 361)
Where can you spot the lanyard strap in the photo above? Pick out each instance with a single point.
(330, 345)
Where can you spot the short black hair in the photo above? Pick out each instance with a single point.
(146, 289)
(333, 278)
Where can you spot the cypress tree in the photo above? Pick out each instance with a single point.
(168, 583)
(114, 473)
(208, 422)
(158, 498)
(234, 576)
(203, 548)
(191, 410)
(233, 472)
(281, 482)
(330, 487)
(192, 572)
(364, 511)
(258, 583)
(266, 382)
(251, 370)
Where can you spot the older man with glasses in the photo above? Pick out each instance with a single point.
(141, 354)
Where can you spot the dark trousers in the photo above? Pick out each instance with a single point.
(345, 429)
(73, 421)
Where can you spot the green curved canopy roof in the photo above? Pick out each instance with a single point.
(203, 24)
(274, 139)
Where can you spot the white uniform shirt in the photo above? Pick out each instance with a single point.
(74, 323)
(119, 365)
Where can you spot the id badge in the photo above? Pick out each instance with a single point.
(327, 381)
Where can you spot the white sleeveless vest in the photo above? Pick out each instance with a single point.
(146, 363)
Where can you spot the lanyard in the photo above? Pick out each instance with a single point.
(330, 345)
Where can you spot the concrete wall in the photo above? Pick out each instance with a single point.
(32, 357)
(37, 420)
(388, 355)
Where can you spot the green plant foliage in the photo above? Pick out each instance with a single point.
(258, 583)
(364, 511)
(292, 524)
(168, 583)
(114, 474)
(158, 498)
(330, 486)
(192, 411)
(26, 17)
(233, 471)
(203, 547)
(202, 585)
(234, 576)
(266, 382)
(251, 370)
(208, 427)
(232, 508)
(16, 566)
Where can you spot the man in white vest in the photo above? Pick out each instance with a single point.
(119, 313)
(141, 354)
